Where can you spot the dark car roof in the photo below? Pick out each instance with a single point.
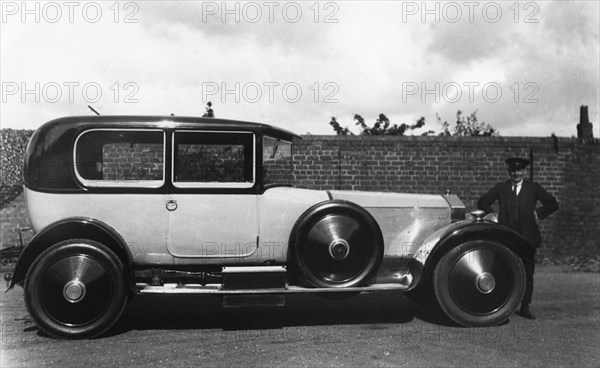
(157, 121)
(49, 158)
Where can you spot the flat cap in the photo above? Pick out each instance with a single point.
(517, 163)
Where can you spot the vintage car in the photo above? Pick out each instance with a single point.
(122, 205)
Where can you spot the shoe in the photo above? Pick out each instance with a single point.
(526, 312)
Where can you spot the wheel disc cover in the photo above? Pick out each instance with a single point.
(326, 236)
(75, 290)
(481, 281)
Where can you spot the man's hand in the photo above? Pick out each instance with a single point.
(492, 216)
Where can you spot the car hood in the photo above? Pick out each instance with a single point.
(391, 200)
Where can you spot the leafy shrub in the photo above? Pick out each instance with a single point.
(14, 143)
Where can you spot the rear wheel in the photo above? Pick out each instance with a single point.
(338, 244)
(479, 283)
(75, 289)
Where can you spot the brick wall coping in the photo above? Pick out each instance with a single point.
(371, 138)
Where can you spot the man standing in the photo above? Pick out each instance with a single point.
(517, 199)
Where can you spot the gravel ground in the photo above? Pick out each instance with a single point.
(379, 329)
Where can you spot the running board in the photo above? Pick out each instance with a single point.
(216, 289)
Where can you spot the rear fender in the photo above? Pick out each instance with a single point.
(71, 228)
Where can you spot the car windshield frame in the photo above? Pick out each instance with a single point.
(271, 148)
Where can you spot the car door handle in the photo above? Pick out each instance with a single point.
(171, 205)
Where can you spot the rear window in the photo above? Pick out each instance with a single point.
(120, 158)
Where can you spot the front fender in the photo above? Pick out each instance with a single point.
(70, 228)
(448, 237)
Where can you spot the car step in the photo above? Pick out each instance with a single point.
(217, 289)
(263, 286)
(254, 277)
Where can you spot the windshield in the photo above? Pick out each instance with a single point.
(277, 162)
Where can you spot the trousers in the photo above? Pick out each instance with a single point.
(529, 264)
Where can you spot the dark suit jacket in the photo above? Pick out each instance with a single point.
(516, 212)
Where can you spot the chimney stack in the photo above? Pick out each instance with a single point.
(585, 129)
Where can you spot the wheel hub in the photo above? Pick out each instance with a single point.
(74, 291)
(485, 283)
(339, 249)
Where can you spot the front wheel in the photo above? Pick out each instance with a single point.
(479, 283)
(75, 289)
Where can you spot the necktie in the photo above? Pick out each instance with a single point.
(514, 189)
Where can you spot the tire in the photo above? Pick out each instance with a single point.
(75, 289)
(479, 283)
(337, 244)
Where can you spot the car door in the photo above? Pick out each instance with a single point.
(212, 210)
(123, 173)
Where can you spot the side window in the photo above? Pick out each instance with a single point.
(213, 159)
(277, 162)
(112, 158)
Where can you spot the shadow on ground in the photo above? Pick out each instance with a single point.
(177, 312)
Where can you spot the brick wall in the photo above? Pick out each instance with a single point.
(135, 161)
(467, 167)
(464, 166)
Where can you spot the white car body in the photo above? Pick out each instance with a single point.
(201, 205)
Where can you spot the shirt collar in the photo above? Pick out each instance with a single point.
(517, 184)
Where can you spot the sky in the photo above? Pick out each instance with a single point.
(524, 67)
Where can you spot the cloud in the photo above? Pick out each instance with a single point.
(466, 42)
(291, 26)
(535, 64)
(359, 64)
